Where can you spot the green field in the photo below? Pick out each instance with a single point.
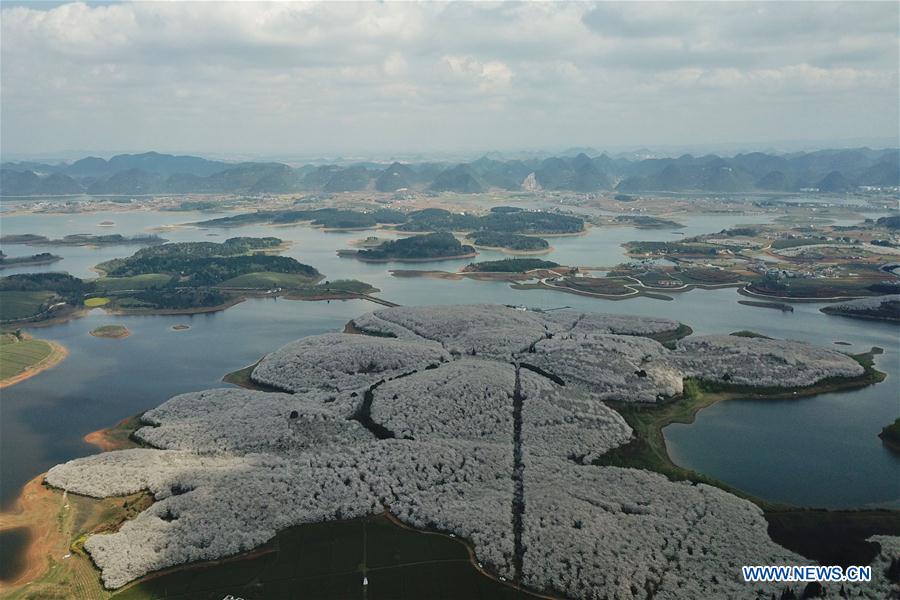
(268, 280)
(339, 288)
(133, 303)
(136, 282)
(21, 305)
(17, 354)
(329, 560)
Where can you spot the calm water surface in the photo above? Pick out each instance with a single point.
(821, 451)
(12, 557)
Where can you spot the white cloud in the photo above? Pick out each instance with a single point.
(487, 76)
(287, 77)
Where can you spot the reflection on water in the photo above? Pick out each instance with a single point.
(12, 552)
(821, 451)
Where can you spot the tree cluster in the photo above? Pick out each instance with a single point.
(482, 446)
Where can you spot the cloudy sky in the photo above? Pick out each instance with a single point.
(354, 79)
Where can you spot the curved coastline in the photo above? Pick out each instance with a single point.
(58, 353)
(46, 513)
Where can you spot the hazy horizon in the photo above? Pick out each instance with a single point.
(776, 147)
(245, 80)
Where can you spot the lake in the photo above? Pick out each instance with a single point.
(821, 451)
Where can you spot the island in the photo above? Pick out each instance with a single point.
(115, 332)
(781, 261)
(192, 277)
(43, 258)
(890, 435)
(368, 242)
(510, 242)
(417, 248)
(333, 219)
(23, 357)
(503, 219)
(173, 278)
(764, 304)
(878, 308)
(647, 222)
(500, 219)
(772, 264)
(83, 239)
(510, 265)
(430, 415)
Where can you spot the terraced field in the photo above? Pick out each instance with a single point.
(17, 355)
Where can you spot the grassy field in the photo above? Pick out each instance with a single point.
(341, 288)
(133, 303)
(17, 355)
(647, 450)
(241, 378)
(21, 305)
(329, 560)
(95, 302)
(268, 280)
(137, 282)
(749, 334)
(596, 285)
(669, 338)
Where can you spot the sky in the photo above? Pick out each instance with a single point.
(349, 79)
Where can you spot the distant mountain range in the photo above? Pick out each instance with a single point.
(154, 173)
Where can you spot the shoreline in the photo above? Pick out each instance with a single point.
(30, 263)
(514, 252)
(859, 315)
(58, 353)
(412, 260)
(38, 506)
(46, 512)
(649, 450)
(76, 313)
(34, 510)
(117, 437)
(747, 292)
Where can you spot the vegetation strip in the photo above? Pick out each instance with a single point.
(518, 474)
(648, 451)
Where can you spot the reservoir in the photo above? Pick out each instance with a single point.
(821, 451)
